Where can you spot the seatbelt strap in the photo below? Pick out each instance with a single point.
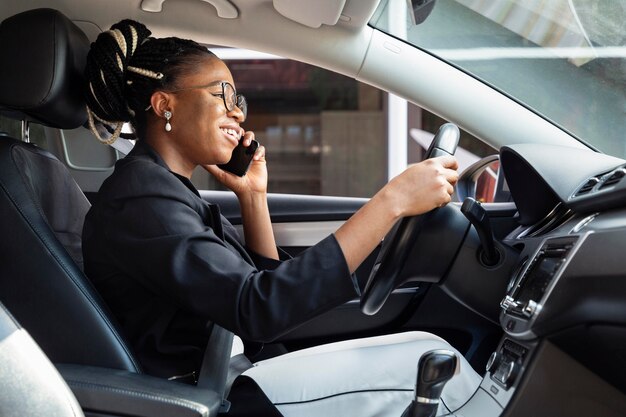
(122, 145)
(215, 363)
(219, 370)
(238, 365)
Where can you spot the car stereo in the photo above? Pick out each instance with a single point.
(524, 298)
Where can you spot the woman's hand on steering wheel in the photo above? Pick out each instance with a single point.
(418, 190)
(424, 186)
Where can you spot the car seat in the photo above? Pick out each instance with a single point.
(31, 386)
(41, 207)
(42, 210)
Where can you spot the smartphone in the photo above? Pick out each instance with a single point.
(241, 158)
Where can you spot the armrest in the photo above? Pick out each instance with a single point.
(118, 392)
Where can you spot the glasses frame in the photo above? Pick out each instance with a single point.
(237, 100)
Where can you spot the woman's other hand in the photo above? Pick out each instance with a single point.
(255, 180)
(251, 191)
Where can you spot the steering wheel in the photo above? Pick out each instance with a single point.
(385, 275)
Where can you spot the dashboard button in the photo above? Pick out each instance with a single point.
(493, 362)
(530, 308)
(509, 375)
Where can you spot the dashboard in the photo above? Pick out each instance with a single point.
(566, 291)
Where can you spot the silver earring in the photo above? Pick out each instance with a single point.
(168, 116)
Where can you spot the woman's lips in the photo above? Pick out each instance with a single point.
(232, 134)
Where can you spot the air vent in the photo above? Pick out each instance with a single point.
(614, 178)
(558, 216)
(588, 186)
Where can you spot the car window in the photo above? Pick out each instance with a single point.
(563, 59)
(326, 134)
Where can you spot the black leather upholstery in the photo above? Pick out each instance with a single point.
(31, 386)
(42, 208)
(39, 281)
(121, 393)
(36, 46)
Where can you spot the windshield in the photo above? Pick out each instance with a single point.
(563, 59)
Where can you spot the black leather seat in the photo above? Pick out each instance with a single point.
(41, 207)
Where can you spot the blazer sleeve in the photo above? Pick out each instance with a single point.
(166, 244)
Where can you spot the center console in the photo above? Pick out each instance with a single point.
(531, 286)
(526, 296)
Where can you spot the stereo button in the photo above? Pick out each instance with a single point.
(493, 362)
(530, 308)
(509, 375)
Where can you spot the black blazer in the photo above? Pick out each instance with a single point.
(168, 263)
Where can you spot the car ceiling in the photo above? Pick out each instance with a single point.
(349, 47)
(198, 19)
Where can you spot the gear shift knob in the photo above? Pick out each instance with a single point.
(434, 370)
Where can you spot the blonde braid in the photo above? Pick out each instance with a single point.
(92, 127)
(146, 73)
(122, 44)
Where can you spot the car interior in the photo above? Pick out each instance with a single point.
(529, 286)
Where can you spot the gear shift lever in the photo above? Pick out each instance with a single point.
(434, 370)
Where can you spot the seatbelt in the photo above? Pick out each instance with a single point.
(219, 370)
(238, 365)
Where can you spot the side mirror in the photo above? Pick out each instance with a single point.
(421, 9)
(484, 182)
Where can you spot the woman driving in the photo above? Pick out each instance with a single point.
(169, 264)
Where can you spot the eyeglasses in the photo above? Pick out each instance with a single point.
(229, 96)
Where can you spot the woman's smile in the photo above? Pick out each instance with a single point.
(232, 134)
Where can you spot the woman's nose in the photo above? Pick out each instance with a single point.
(237, 114)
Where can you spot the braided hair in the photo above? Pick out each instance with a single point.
(125, 66)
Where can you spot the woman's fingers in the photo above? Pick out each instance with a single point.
(259, 155)
(448, 168)
(449, 188)
(452, 176)
(247, 138)
(426, 185)
(447, 161)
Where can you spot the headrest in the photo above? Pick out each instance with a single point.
(41, 74)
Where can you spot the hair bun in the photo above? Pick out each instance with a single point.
(129, 35)
(107, 64)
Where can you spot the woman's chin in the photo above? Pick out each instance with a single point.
(226, 158)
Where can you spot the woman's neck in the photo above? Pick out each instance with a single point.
(166, 147)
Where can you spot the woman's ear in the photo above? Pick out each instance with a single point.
(160, 101)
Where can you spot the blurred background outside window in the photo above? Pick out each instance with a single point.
(327, 134)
